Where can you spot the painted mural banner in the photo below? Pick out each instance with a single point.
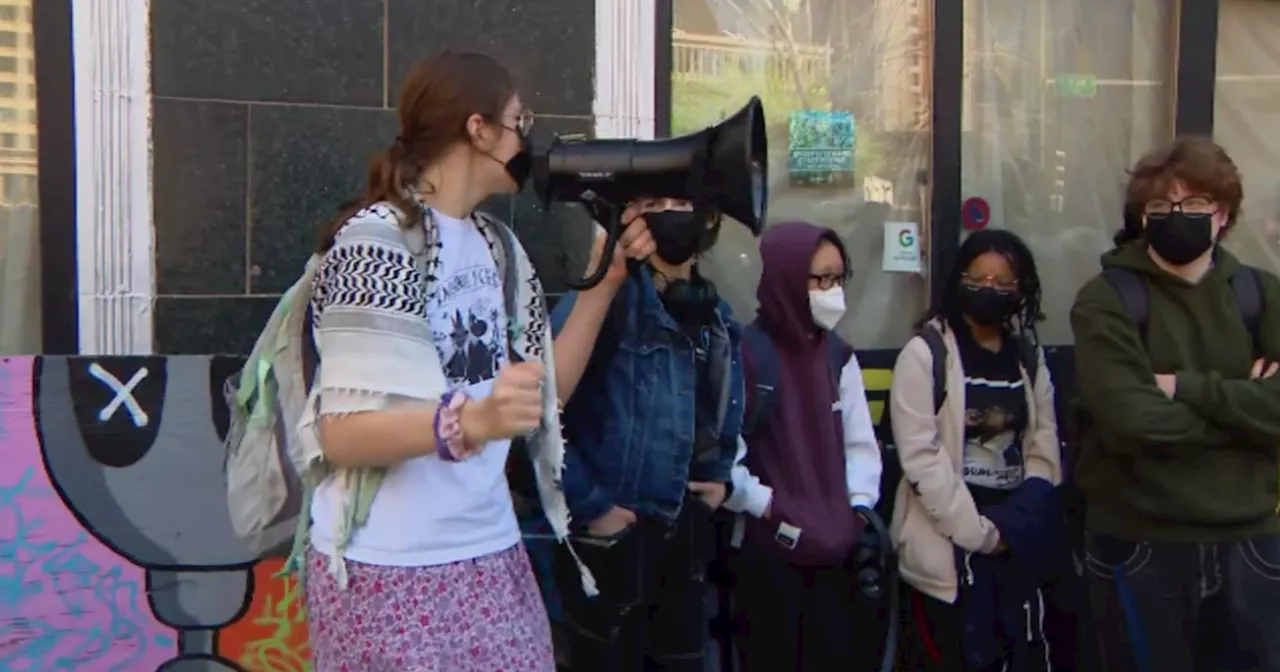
(116, 547)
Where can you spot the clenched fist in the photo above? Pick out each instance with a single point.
(513, 407)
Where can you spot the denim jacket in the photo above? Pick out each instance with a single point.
(630, 421)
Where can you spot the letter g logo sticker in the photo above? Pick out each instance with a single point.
(906, 238)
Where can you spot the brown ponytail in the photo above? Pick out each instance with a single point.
(388, 178)
(438, 96)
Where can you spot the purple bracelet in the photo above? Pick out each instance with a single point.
(450, 442)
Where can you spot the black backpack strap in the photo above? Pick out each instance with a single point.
(310, 353)
(510, 276)
(1247, 286)
(938, 350)
(1132, 289)
(762, 397)
(838, 352)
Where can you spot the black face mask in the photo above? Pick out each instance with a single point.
(521, 165)
(679, 235)
(987, 305)
(1180, 239)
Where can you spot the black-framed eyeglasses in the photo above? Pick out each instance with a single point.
(1193, 206)
(1003, 283)
(829, 280)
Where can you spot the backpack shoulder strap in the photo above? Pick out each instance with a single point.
(764, 358)
(838, 353)
(1247, 287)
(938, 350)
(507, 264)
(1132, 290)
(302, 301)
(310, 353)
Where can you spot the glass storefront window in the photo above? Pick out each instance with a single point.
(1061, 97)
(1246, 118)
(845, 85)
(19, 216)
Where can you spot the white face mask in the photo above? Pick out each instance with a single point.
(827, 306)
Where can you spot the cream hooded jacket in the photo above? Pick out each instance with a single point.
(934, 511)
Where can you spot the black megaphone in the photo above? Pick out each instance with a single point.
(722, 169)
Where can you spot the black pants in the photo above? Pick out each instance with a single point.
(1160, 607)
(799, 619)
(651, 613)
(933, 635)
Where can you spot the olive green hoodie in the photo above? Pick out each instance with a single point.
(1205, 465)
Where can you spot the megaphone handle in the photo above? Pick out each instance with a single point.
(609, 216)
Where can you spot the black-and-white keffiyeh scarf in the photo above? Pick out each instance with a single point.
(372, 291)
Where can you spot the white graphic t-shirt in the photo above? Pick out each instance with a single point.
(431, 512)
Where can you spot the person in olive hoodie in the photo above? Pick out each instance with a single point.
(803, 469)
(1181, 433)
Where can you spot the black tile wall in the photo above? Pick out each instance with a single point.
(200, 196)
(266, 113)
(549, 44)
(298, 51)
(304, 163)
(210, 325)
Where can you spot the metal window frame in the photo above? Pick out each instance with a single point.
(56, 178)
(663, 26)
(1197, 67)
(946, 120)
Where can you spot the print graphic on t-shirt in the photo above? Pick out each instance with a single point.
(474, 347)
(993, 433)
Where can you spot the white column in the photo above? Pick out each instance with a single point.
(625, 68)
(114, 236)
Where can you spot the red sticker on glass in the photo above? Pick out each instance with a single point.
(975, 213)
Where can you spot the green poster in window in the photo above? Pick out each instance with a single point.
(1076, 86)
(820, 146)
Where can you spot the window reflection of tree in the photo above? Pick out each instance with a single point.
(868, 57)
(1051, 164)
(1246, 115)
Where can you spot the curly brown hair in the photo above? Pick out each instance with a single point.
(1199, 163)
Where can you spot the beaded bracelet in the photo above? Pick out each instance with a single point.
(451, 444)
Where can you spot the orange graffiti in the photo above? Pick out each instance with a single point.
(272, 635)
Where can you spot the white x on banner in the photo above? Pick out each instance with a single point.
(123, 395)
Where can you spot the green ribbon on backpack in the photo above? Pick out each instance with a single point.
(258, 390)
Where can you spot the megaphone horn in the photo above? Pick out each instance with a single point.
(722, 169)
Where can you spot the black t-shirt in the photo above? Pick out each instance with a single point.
(995, 418)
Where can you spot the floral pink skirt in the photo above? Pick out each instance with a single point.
(479, 615)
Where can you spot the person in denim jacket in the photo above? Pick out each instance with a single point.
(651, 437)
